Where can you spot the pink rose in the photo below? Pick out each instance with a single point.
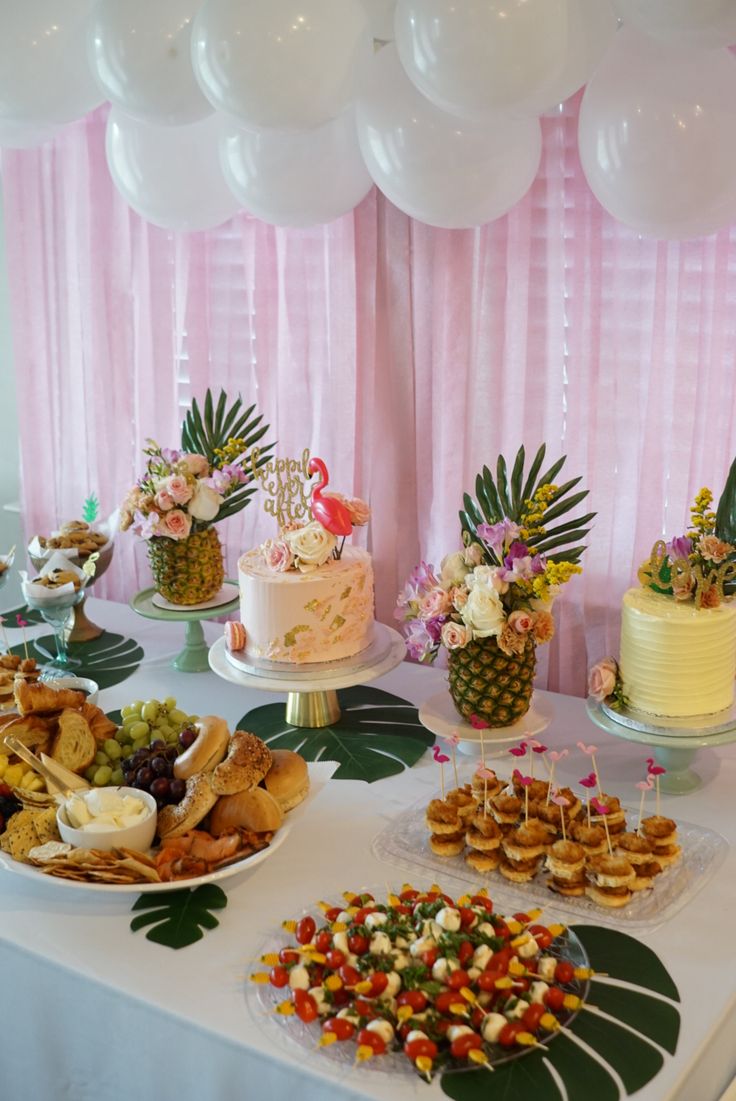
(176, 524)
(435, 602)
(277, 555)
(602, 679)
(473, 554)
(178, 488)
(522, 622)
(164, 501)
(195, 464)
(713, 549)
(683, 585)
(458, 597)
(455, 635)
(360, 512)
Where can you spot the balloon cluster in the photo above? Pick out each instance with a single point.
(292, 109)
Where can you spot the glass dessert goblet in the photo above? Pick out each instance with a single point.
(59, 614)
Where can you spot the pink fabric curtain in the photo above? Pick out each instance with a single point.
(404, 355)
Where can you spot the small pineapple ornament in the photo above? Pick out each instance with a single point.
(188, 571)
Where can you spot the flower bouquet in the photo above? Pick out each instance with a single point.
(489, 605)
(182, 493)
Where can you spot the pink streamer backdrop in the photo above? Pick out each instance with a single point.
(405, 356)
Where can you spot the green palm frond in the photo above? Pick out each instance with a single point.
(504, 497)
(206, 430)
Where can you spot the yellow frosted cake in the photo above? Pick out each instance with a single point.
(302, 617)
(676, 660)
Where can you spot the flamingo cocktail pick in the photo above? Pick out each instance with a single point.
(453, 740)
(644, 786)
(525, 781)
(480, 724)
(589, 782)
(485, 775)
(590, 751)
(561, 801)
(518, 750)
(441, 759)
(22, 624)
(602, 809)
(331, 512)
(656, 771)
(555, 757)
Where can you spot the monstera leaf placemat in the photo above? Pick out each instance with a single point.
(377, 734)
(176, 918)
(632, 1049)
(108, 659)
(31, 616)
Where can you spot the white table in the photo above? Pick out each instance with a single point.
(91, 1011)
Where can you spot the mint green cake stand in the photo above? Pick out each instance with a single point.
(194, 658)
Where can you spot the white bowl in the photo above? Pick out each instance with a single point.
(79, 684)
(138, 836)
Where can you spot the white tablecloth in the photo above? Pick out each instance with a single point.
(91, 1011)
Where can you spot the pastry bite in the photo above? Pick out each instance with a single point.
(566, 863)
(645, 875)
(447, 844)
(464, 800)
(610, 880)
(442, 818)
(483, 833)
(518, 871)
(506, 809)
(486, 788)
(483, 861)
(615, 816)
(659, 830)
(537, 790)
(636, 849)
(592, 838)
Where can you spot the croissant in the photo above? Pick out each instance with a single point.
(32, 698)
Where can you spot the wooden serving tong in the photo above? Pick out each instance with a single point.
(59, 780)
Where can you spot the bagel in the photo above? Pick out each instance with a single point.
(207, 751)
(247, 762)
(287, 779)
(253, 810)
(198, 801)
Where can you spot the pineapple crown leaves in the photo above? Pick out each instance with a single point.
(726, 519)
(90, 509)
(209, 429)
(504, 496)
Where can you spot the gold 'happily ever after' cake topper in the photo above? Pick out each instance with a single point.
(284, 483)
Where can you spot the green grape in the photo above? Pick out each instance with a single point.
(176, 715)
(150, 710)
(140, 730)
(117, 777)
(101, 758)
(142, 743)
(137, 705)
(192, 719)
(131, 720)
(170, 703)
(89, 773)
(113, 749)
(102, 776)
(126, 711)
(165, 730)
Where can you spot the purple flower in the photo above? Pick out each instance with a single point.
(235, 473)
(420, 580)
(419, 643)
(434, 627)
(497, 536)
(145, 526)
(519, 565)
(679, 547)
(169, 455)
(219, 481)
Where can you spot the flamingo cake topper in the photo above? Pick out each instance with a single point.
(330, 511)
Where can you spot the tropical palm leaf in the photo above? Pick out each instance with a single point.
(204, 431)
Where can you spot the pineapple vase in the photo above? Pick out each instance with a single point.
(187, 571)
(488, 684)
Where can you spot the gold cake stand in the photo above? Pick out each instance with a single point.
(311, 699)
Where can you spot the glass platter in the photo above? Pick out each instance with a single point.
(303, 1038)
(404, 842)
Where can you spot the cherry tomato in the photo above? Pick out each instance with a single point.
(305, 930)
(487, 979)
(542, 935)
(362, 914)
(533, 1015)
(465, 952)
(554, 998)
(365, 1009)
(417, 999)
(564, 972)
(409, 895)
(379, 982)
(341, 997)
(523, 918)
(502, 930)
(340, 1027)
(446, 999)
(467, 917)
(465, 1043)
(456, 980)
(420, 1046)
(507, 1035)
(323, 941)
(499, 961)
(477, 1017)
(333, 913)
(288, 955)
(335, 959)
(278, 976)
(429, 957)
(317, 974)
(358, 944)
(402, 909)
(350, 975)
(442, 1024)
(482, 900)
(305, 1006)
(521, 984)
(372, 1040)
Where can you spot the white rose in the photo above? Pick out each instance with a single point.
(204, 503)
(312, 545)
(453, 569)
(473, 555)
(482, 576)
(483, 612)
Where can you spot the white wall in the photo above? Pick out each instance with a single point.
(10, 525)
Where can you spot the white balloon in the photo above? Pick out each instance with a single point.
(480, 56)
(281, 63)
(142, 55)
(44, 73)
(591, 29)
(706, 23)
(434, 166)
(300, 179)
(381, 18)
(18, 135)
(656, 137)
(170, 175)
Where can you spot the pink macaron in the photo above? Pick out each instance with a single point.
(234, 635)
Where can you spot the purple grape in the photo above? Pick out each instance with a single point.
(144, 776)
(157, 744)
(160, 766)
(187, 737)
(177, 789)
(160, 787)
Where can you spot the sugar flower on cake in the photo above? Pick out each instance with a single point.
(311, 545)
(501, 582)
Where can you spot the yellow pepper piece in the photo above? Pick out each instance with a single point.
(324, 906)
(524, 938)
(362, 987)
(514, 926)
(393, 900)
(403, 1013)
(504, 983)
(260, 977)
(572, 1001)
(423, 1063)
(270, 959)
(364, 1053)
(464, 900)
(516, 967)
(406, 887)
(557, 930)
(475, 1055)
(333, 982)
(288, 926)
(326, 1039)
(534, 914)
(435, 887)
(338, 927)
(4, 761)
(316, 957)
(285, 1009)
(526, 1039)
(584, 972)
(483, 892)
(468, 994)
(549, 1022)
(350, 896)
(460, 1009)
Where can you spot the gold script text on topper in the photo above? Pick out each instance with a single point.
(284, 485)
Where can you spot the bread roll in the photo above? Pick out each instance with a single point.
(287, 780)
(253, 810)
(207, 751)
(247, 762)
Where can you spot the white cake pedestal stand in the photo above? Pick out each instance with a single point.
(673, 749)
(439, 716)
(312, 690)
